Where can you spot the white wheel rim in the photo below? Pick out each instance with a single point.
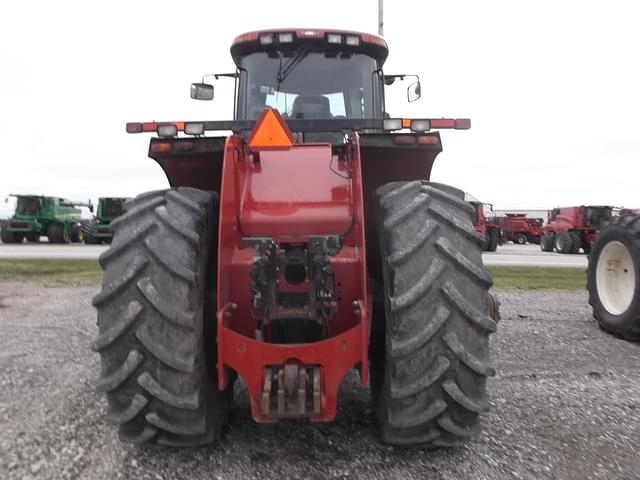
(615, 278)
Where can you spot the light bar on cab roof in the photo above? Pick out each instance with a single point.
(352, 39)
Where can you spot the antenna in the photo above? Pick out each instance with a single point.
(380, 21)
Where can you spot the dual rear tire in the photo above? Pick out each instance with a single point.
(430, 345)
(157, 349)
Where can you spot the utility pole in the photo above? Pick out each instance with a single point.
(380, 21)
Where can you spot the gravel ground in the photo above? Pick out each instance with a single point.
(565, 404)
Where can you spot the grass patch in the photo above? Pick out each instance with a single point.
(87, 272)
(55, 272)
(539, 278)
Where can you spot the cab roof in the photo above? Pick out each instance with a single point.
(322, 39)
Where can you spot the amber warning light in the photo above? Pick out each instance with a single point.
(270, 132)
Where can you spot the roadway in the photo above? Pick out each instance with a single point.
(507, 255)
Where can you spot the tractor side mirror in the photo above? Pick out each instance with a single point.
(201, 91)
(414, 92)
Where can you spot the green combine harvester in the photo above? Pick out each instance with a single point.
(98, 229)
(35, 216)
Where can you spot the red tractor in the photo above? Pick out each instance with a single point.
(485, 225)
(572, 228)
(516, 227)
(307, 243)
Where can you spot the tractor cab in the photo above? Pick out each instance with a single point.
(598, 216)
(309, 74)
(28, 205)
(109, 208)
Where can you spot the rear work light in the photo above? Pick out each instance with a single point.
(420, 125)
(352, 40)
(194, 128)
(285, 37)
(266, 39)
(392, 124)
(334, 38)
(167, 131)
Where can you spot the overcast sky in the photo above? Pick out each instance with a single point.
(552, 88)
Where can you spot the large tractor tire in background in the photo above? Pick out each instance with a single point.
(493, 240)
(33, 237)
(56, 233)
(576, 242)
(88, 233)
(546, 242)
(431, 338)
(157, 350)
(5, 235)
(563, 242)
(613, 278)
(76, 233)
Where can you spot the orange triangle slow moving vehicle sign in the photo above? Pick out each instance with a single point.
(270, 132)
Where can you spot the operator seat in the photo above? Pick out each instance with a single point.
(311, 106)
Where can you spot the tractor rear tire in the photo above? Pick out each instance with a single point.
(546, 242)
(429, 385)
(613, 278)
(57, 234)
(494, 238)
(88, 233)
(156, 314)
(5, 234)
(576, 240)
(76, 233)
(563, 242)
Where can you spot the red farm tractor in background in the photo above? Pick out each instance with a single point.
(572, 228)
(307, 243)
(520, 229)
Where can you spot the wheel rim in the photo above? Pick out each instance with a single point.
(615, 278)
